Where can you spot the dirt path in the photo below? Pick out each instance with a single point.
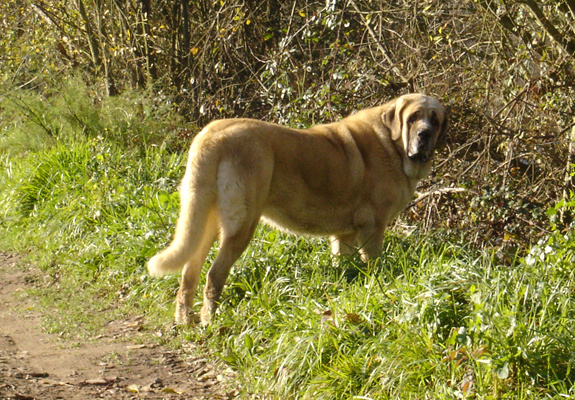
(37, 365)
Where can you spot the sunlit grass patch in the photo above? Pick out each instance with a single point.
(444, 322)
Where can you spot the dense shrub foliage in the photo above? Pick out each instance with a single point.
(503, 67)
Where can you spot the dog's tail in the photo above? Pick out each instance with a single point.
(196, 203)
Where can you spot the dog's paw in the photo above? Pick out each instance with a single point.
(208, 310)
(185, 316)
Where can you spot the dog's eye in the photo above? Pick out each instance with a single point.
(434, 121)
(412, 118)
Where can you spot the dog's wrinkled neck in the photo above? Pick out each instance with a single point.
(415, 168)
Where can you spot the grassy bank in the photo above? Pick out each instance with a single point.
(88, 192)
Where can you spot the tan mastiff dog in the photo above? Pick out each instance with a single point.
(347, 180)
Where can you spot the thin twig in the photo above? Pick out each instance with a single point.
(378, 43)
(423, 196)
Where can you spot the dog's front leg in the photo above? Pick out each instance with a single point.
(370, 242)
(369, 231)
(342, 245)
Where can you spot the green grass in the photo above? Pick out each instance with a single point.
(416, 325)
(430, 319)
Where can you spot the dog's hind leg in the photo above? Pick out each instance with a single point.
(241, 190)
(232, 247)
(191, 274)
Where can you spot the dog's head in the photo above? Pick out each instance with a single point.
(418, 123)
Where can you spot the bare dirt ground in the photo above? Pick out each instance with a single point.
(115, 365)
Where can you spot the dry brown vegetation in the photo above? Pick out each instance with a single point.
(504, 68)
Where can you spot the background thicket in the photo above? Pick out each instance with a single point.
(473, 295)
(504, 68)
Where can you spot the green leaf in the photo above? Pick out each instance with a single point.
(248, 341)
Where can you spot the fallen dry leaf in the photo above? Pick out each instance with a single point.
(170, 390)
(133, 389)
(353, 317)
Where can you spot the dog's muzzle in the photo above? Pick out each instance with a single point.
(424, 147)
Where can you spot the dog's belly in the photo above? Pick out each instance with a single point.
(312, 220)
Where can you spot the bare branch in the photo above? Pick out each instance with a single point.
(423, 196)
(394, 67)
(571, 5)
(566, 44)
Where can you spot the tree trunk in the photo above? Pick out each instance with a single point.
(92, 40)
(148, 56)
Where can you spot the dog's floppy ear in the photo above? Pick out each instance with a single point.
(443, 133)
(392, 119)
